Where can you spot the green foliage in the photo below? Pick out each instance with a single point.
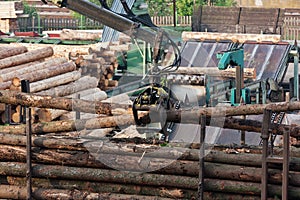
(159, 8)
(225, 3)
(186, 7)
(30, 10)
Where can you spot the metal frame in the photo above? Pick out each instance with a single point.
(267, 158)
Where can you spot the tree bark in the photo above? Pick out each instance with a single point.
(30, 100)
(99, 175)
(107, 188)
(84, 83)
(18, 67)
(92, 94)
(26, 57)
(71, 125)
(228, 73)
(54, 81)
(32, 68)
(9, 51)
(129, 163)
(51, 71)
(94, 144)
(195, 113)
(248, 188)
(19, 192)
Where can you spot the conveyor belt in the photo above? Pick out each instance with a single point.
(269, 59)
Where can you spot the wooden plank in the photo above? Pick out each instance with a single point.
(235, 37)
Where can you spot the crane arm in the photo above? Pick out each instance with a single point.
(108, 18)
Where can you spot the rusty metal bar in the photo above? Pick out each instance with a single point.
(286, 163)
(201, 156)
(265, 138)
(25, 88)
(8, 113)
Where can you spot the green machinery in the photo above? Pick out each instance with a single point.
(234, 57)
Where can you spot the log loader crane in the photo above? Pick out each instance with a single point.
(142, 28)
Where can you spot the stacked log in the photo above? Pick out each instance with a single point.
(100, 62)
(47, 74)
(99, 167)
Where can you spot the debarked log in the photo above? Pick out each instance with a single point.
(83, 83)
(52, 70)
(7, 51)
(235, 37)
(54, 81)
(26, 57)
(99, 175)
(19, 192)
(30, 100)
(212, 71)
(98, 187)
(32, 68)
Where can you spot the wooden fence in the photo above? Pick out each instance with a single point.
(291, 28)
(169, 20)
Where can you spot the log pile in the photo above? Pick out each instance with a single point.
(50, 75)
(78, 158)
(97, 167)
(100, 62)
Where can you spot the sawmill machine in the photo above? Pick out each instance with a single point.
(163, 56)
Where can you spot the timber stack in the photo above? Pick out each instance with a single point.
(47, 74)
(101, 62)
(80, 159)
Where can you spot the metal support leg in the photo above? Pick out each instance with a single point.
(286, 163)
(296, 76)
(268, 157)
(27, 117)
(201, 156)
(265, 138)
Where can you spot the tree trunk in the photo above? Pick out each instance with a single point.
(19, 67)
(94, 144)
(84, 83)
(26, 57)
(32, 68)
(107, 188)
(19, 192)
(9, 51)
(102, 160)
(99, 175)
(71, 125)
(195, 113)
(235, 37)
(130, 163)
(30, 100)
(54, 81)
(48, 72)
(5, 85)
(248, 188)
(211, 71)
(93, 94)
